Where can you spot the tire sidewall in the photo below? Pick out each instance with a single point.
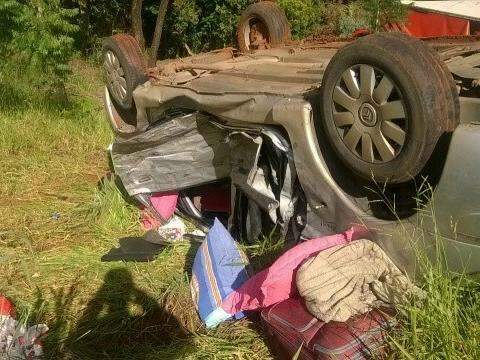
(133, 76)
(415, 110)
(274, 19)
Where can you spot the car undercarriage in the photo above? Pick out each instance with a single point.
(398, 156)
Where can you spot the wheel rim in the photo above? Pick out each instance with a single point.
(115, 76)
(370, 114)
(256, 34)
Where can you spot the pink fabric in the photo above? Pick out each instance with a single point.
(277, 283)
(163, 204)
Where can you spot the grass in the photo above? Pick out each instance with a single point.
(60, 211)
(446, 323)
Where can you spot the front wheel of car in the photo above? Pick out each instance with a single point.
(124, 68)
(383, 110)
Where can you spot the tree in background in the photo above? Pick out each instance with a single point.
(41, 36)
(137, 27)
(305, 16)
(137, 22)
(200, 25)
(38, 40)
(157, 34)
(381, 12)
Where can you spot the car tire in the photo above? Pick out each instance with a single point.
(431, 57)
(270, 21)
(124, 67)
(385, 124)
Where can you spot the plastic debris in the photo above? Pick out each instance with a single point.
(169, 233)
(56, 216)
(157, 208)
(16, 340)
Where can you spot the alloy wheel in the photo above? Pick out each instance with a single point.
(115, 76)
(370, 114)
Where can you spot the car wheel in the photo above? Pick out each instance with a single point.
(124, 67)
(262, 25)
(431, 58)
(382, 109)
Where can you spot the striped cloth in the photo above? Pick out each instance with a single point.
(219, 268)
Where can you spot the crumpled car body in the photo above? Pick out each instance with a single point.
(228, 115)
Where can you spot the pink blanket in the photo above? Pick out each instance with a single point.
(277, 283)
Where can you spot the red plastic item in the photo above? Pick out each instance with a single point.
(290, 326)
(6, 307)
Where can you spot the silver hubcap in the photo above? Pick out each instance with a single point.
(115, 76)
(370, 114)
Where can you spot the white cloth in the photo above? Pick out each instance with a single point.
(352, 279)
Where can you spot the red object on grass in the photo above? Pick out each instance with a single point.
(290, 326)
(361, 32)
(6, 307)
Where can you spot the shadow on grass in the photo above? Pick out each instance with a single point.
(120, 321)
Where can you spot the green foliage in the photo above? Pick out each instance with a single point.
(352, 17)
(304, 15)
(344, 18)
(8, 18)
(97, 19)
(381, 12)
(45, 28)
(446, 324)
(38, 39)
(201, 25)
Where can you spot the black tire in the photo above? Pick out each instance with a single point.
(416, 86)
(447, 84)
(274, 22)
(127, 52)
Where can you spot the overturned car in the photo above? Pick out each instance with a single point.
(312, 137)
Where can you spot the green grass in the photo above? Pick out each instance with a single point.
(446, 323)
(60, 211)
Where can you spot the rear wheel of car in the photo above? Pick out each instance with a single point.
(382, 109)
(262, 25)
(431, 58)
(124, 67)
